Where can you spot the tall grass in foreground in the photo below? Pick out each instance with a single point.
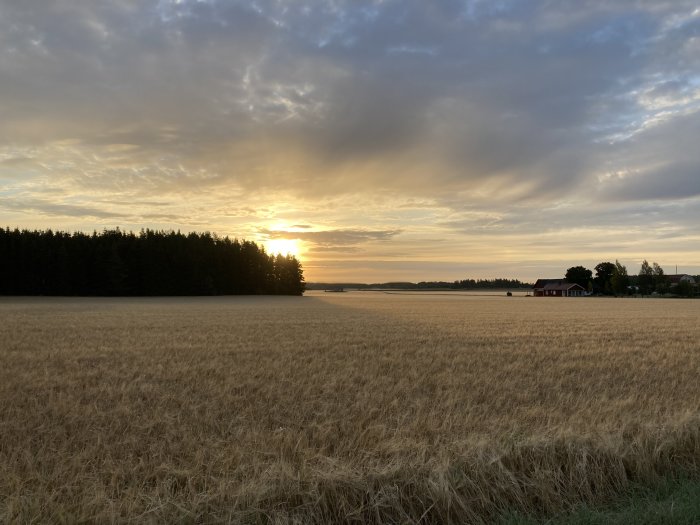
(355, 408)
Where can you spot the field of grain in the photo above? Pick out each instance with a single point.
(357, 407)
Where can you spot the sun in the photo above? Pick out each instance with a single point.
(283, 247)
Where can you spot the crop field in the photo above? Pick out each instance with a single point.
(352, 407)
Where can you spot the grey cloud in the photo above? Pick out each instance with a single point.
(654, 220)
(44, 207)
(334, 249)
(329, 238)
(16, 161)
(312, 97)
(670, 181)
(659, 162)
(147, 203)
(170, 218)
(528, 115)
(674, 88)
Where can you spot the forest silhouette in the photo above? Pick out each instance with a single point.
(150, 263)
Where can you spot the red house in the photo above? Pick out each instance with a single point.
(557, 288)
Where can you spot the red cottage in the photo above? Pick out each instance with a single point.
(557, 288)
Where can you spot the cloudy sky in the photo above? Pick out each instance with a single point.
(382, 139)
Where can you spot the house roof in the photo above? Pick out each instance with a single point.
(563, 286)
(541, 283)
(555, 284)
(677, 278)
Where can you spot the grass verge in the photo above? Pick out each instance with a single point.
(671, 501)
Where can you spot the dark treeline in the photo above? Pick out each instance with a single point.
(471, 284)
(466, 284)
(115, 263)
(613, 279)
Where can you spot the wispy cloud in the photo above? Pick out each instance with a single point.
(332, 237)
(49, 208)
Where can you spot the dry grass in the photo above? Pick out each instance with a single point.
(351, 407)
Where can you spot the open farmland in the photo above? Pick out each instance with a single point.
(354, 407)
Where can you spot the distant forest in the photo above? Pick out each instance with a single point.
(466, 284)
(150, 263)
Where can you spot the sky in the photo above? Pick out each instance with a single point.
(379, 140)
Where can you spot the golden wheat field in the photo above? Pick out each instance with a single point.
(339, 408)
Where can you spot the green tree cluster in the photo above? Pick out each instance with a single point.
(612, 278)
(619, 281)
(604, 272)
(579, 275)
(151, 263)
(661, 282)
(685, 289)
(651, 278)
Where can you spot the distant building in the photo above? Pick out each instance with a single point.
(557, 288)
(675, 280)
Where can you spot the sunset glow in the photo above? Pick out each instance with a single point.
(384, 140)
(283, 247)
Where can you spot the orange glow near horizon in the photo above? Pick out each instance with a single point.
(283, 247)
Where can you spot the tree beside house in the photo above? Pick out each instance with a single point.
(613, 279)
